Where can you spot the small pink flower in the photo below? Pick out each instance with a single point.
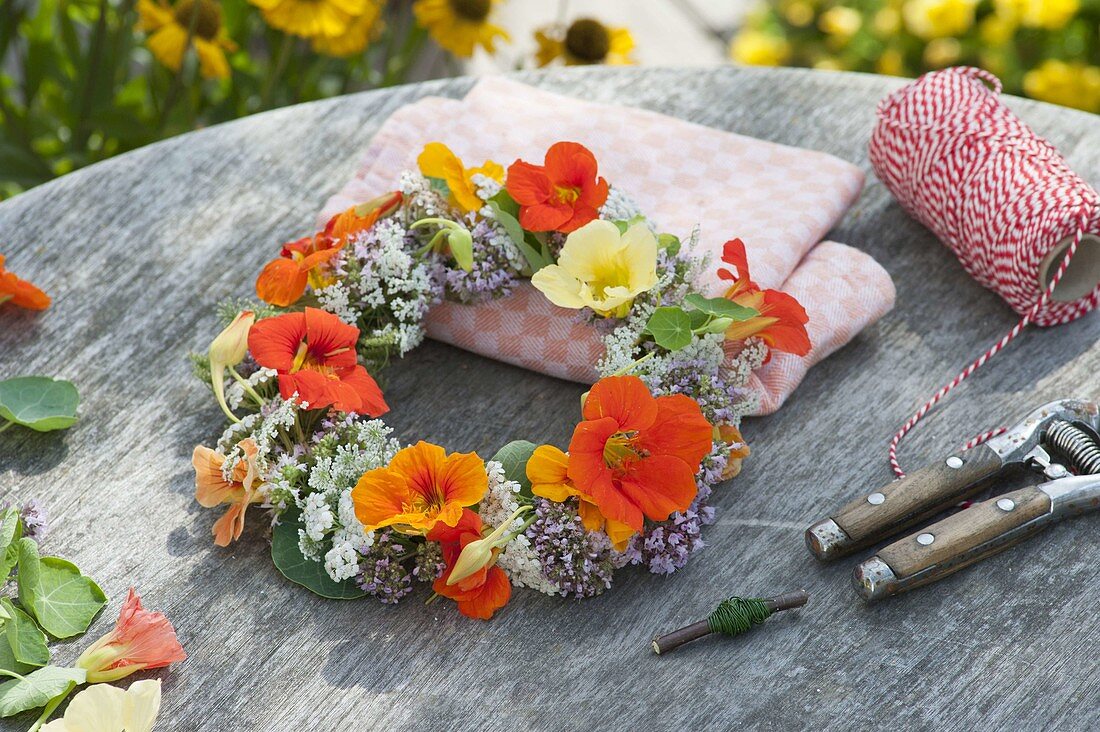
(140, 640)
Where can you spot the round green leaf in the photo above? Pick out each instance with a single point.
(61, 599)
(309, 574)
(670, 328)
(27, 641)
(39, 402)
(514, 457)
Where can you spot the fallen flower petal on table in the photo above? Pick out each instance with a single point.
(141, 640)
(19, 292)
(106, 708)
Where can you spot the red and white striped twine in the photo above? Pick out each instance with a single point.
(988, 187)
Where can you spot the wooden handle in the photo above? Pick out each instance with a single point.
(918, 496)
(948, 542)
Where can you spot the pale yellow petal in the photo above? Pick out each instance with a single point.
(145, 705)
(589, 252)
(168, 45)
(640, 258)
(559, 287)
(99, 708)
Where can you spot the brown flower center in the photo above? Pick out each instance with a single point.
(472, 10)
(588, 40)
(209, 17)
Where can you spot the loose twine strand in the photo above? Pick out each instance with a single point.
(997, 194)
(738, 614)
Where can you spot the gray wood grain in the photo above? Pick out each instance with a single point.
(138, 250)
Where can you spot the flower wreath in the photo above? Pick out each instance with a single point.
(355, 514)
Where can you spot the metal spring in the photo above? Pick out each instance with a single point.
(1075, 445)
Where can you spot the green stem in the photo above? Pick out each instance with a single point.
(634, 364)
(5, 672)
(53, 705)
(260, 401)
(283, 55)
(94, 60)
(176, 87)
(6, 426)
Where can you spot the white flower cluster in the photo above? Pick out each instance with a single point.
(423, 200)
(619, 206)
(336, 299)
(386, 291)
(331, 530)
(268, 428)
(517, 559)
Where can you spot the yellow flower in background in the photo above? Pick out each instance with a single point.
(584, 42)
(840, 21)
(313, 18)
(437, 161)
(1049, 14)
(757, 48)
(942, 52)
(168, 25)
(601, 269)
(930, 19)
(357, 37)
(459, 26)
(798, 13)
(996, 30)
(1069, 84)
(887, 22)
(890, 62)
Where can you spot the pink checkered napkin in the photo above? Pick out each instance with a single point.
(779, 200)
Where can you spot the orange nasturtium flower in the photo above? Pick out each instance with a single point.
(437, 161)
(20, 292)
(481, 593)
(212, 489)
(548, 471)
(140, 641)
(563, 194)
(282, 282)
(314, 355)
(781, 322)
(420, 488)
(636, 454)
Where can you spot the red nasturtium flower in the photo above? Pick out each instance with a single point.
(314, 354)
(636, 455)
(141, 640)
(563, 194)
(19, 292)
(483, 592)
(282, 282)
(781, 323)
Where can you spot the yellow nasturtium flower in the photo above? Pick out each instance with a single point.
(601, 269)
(1069, 84)
(168, 26)
(437, 161)
(930, 19)
(106, 708)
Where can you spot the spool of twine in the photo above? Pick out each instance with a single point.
(1003, 199)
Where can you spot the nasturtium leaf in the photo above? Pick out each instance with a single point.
(39, 402)
(37, 688)
(669, 243)
(27, 641)
(306, 572)
(670, 328)
(11, 529)
(61, 599)
(8, 661)
(514, 457)
(720, 307)
(535, 258)
(504, 201)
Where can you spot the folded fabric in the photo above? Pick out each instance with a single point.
(780, 200)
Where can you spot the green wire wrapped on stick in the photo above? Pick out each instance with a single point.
(733, 616)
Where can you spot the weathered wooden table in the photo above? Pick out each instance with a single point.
(138, 250)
